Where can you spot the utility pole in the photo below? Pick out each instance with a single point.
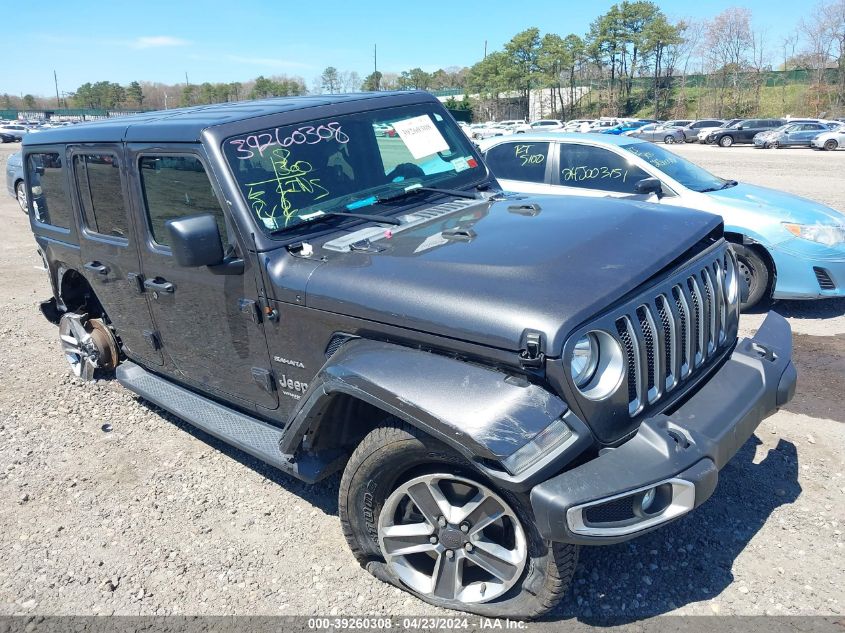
(375, 58)
(56, 81)
(485, 49)
(187, 83)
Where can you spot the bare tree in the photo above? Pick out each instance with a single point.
(729, 41)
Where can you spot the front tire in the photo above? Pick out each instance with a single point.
(830, 145)
(406, 501)
(726, 141)
(668, 139)
(754, 275)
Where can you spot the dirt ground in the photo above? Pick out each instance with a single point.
(108, 505)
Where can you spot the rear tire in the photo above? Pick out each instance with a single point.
(754, 276)
(394, 459)
(726, 141)
(668, 139)
(831, 145)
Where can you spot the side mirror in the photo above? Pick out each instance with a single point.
(648, 186)
(195, 240)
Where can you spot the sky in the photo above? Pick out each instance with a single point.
(238, 40)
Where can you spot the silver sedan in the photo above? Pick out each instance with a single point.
(656, 132)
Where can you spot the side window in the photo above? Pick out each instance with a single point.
(597, 168)
(176, 186)
(519, 161)
(48, 192)
(100, 194)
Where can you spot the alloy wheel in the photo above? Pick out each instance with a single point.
(451, 538)
(20, 194)
(88, 345)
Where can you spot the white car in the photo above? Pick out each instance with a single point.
(547, 125)
(834, 139)
(599, 125)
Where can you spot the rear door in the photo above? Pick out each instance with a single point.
(206, 321)
(521, 166)
(109, 245)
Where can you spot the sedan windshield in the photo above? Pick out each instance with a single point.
(688, 174)
(294, 174)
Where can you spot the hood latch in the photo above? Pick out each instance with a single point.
(531, 355)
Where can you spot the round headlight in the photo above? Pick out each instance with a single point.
(585, 359)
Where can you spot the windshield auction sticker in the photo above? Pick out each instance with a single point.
(421, 136)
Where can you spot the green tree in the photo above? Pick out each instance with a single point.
(419, 79)
(189, 96)
(7, 102)
(29, 102)
(372, 82)
(522, 54)
(135, 94)
(235, 90)
(329, 80)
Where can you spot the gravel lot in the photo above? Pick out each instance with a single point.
(108, 505)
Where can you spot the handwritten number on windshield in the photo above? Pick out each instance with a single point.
(305, 135)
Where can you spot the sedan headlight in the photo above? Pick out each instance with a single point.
(585, 359)
(827, 234)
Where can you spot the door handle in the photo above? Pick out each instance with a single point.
(158, 284)
(96, 267)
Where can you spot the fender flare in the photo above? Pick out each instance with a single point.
(478, 411)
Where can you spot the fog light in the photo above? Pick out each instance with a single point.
(648, 499)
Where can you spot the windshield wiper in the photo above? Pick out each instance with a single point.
(403, 193)
(321, 215)
(726, 185)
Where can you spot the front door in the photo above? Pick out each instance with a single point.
(205, 322)
(109, 246)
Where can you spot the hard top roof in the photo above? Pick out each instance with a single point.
(185, 125)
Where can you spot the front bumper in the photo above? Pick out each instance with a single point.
(808, 271)
(679, 455)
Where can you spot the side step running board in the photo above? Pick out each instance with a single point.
(244, 432)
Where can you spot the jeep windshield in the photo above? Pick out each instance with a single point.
(293, 174)
(683, 171)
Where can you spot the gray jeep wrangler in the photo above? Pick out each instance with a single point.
(338, 283)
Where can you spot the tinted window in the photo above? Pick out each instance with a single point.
(597, 168)
(519, 161)
(176, 186)
(48, 193)
(100, 194)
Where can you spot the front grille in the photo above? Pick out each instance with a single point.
(668, 335)
(823, 277)
(611, 512)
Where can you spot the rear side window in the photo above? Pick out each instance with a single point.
(176, 186)
(100, 194)
(47, 189)
(597, 168)
(525, 162)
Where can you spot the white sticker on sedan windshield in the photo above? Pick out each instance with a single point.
(421, 136)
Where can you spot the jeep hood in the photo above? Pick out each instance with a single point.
(485, 271)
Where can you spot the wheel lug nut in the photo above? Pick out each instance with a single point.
(432, 540)
(450, 554)
(464, 527)
(468, 547)
(441, 521)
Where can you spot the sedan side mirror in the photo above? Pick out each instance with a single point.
(647, 186)
(195, 240)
